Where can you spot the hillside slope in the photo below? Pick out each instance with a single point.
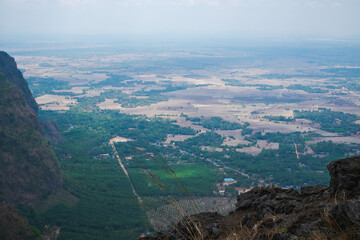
(14, 227)
(29, 170)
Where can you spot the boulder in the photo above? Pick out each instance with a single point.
(269, 201)
(345, 175)
(313, 190)
(346, 214)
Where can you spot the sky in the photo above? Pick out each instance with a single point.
(235, 18)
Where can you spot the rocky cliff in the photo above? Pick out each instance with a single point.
(29, 170)
(314, 212)
(9, 69)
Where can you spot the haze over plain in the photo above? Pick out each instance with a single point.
(232, 18)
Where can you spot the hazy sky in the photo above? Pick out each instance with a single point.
(181, 17)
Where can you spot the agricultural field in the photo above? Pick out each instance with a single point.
(181, 120)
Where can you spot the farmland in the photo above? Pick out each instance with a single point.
(194, 116)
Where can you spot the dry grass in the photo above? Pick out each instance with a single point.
(191, 229)
(164, 214)
(264, 229)
(332, 230)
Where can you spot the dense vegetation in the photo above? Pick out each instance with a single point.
(41, 86)
(347, 78)
(279, 118)
(101, 189)
(237, 83)
(332, 121)
(117, 81)
(98, 184)
(307, 89)
(215, 123)
(343, 72)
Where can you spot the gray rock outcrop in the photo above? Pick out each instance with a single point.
(316, 212)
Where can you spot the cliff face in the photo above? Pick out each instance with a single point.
(9, 68)
(316, 212)
(28, 167)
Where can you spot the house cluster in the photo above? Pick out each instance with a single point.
(222, 187)
(102, 156)
(228, 181)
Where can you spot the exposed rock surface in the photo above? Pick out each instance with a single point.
(9, 68)
(346, 214)
(316, 212)
(51, 132)
(345, 176)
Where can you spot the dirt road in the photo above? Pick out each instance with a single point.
(296, 151)
(125, 171)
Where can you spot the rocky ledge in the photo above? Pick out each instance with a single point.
(316, 212)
